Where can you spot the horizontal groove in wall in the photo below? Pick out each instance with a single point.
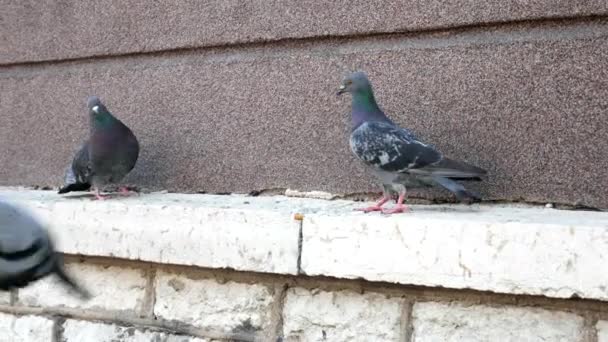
(489, 34)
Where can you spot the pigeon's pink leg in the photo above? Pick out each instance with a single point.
(399, 208)
(375, 207)
(99, 196)
(126, 192)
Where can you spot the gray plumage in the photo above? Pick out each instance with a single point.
(106, 157)
(394, 154)
(27, 252)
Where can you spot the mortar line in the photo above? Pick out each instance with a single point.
(277, 318)
(589, 328)
(13, 297)
(407, 326)
(150, 293)
(57, 334)
(300, 248)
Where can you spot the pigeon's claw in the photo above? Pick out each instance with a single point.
(375, 207)
(399, 208)
(125, 191)
(99, 196)
(369, 209)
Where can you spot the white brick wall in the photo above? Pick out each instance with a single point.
(82, 331)
(457, 322)
(340, 316)
(25, 329)
(114, 289)
(206, 303)
(602, 331)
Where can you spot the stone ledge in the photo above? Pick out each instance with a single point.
(214, 231)
(505, 249)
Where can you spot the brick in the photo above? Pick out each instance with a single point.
(314, 315)
(114, 288)
(602, 331)
(458, 322)
(476, 247)
(25, 328)
(37, 31)
(208, 231)
(481, 95)
(83, 331)
(229, 307)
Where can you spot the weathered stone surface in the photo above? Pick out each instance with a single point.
(209, 231)
(113, 289)
(456, 322)
(35, 31)
(602, 331)
(82, 331)
(478, 247)
(226, 307)
(25, 328)
(340, 316)
(521, 101)
(5, 297)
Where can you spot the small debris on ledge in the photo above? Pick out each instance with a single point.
(310, 194)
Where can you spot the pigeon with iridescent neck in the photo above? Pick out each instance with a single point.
(394, 154)
(106, 157)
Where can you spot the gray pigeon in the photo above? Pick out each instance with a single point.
(107, 157)
(395, 155)
(26, 252)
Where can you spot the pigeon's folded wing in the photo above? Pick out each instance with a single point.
(390, 148)
(78, 174)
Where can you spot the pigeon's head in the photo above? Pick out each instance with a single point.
(356, 82)
(95, 106)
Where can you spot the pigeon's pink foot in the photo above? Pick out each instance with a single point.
(400, 208)
(124, 191)
(101, 197)
(369, 209)
(376, 207)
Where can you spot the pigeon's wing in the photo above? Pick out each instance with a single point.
(452, 169)
(78, 175)
(26, 252)
(81, 166)
(24, 246)
(391, 148)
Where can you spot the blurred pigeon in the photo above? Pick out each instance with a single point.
(395, 155)
(26, 252)
(107, 157)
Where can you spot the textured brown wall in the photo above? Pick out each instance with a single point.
(236, 96)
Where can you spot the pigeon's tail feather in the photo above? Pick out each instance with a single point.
(453, 169)
(459, 190)
(84, 293)
(74, 187)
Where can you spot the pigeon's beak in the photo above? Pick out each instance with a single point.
(341, 90)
